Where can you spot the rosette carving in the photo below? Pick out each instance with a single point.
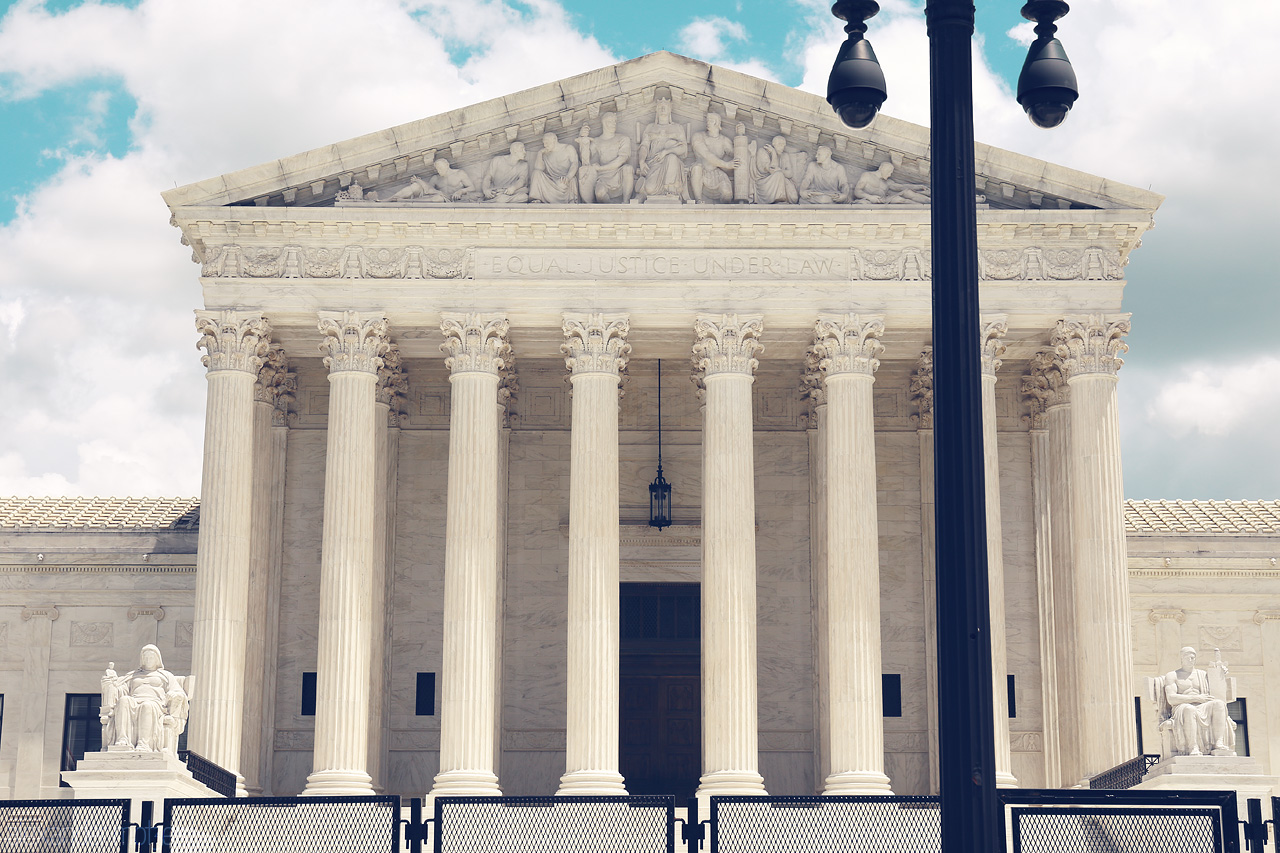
(847, 343)
(1091, 344)
(726, 343)
(994, 327)
(475, 343)
(233, 340)
(596, 343)
(921, 390)
(353, 341)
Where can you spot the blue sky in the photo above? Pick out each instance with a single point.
(104, 104)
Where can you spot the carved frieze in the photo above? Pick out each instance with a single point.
(403, 262)
(92, 634)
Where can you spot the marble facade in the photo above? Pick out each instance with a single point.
(389, 509)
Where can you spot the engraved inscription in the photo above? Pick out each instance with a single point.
(712, 264)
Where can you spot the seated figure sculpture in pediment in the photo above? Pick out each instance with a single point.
(825, 181)
(554, 179)
(1191, 708)
(506, 180)
(144, 710)
(709, 176)
(769, 171)
(606, 173)
(877, 187)
(663, 146)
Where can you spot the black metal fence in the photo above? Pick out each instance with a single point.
(282, 825)
(644, 824)
(1124, 776)
(64, 826)
(874, 824)
(1118, 821)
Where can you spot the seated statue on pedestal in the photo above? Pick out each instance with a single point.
(144, 710)
(1191, 707)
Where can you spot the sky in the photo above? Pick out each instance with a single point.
(105, 104)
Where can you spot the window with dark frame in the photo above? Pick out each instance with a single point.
(308, 708)
(424, 704)
(1013, 697)
(1137, 720)
(891, 693)
(1237, 711)
(81, 729)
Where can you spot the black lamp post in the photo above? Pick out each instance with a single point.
(972, 821)
(659, 489)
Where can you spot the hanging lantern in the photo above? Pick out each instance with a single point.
(659, 489)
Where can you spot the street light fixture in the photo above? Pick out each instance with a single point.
(972, 819)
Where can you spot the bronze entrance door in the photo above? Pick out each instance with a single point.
(660, 732)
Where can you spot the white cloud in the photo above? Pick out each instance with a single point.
(705, 38)
(1217, 400)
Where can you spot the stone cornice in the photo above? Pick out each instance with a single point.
(596, 343)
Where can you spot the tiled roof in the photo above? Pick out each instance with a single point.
(1202, 517)
(100, 513)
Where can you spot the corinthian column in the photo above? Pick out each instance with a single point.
(724, 364)
(354, 344)
(1089, 349)
(921, 392)
(235, 343)
(257, 683)
(595, 350)
(993, 329)
(847, 347)
(477, 349)
(1050, 421)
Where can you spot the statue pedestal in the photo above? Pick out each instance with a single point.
(1212, 773)
(136, 775)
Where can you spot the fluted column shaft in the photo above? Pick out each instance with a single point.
(477, 348)
(354, 343)
(1089, 349)
(921, 392)
(818, 572)
(993, 328)
(724, 358)
(847, 348)
(595, 351)
(235, 343)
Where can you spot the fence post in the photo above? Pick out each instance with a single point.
(414, 831)
(146, 836)
(1255, 829)
(693, 832)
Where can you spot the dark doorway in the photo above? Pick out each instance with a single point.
(661, 690)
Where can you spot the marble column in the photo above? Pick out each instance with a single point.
(847, 347)
(595, 350)
(390, 389)
(1050, 421)
(33, 712)
(724, 363)
(1089, 349)
(235, 343)
(921, 393)
(253, 763)
(993, 329)
(354, 344)
(812, 389)
(477, 349)
(1268, 622)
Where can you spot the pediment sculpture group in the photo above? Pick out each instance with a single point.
(671, 164)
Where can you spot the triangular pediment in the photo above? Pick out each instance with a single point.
(396, 166)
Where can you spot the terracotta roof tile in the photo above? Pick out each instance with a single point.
(1229, 517)
(100, 513)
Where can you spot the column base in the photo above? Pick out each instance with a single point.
(591, 783)
(854, 783)
(731, 783)
(465, 783)
(1006, 780)
(338, 783)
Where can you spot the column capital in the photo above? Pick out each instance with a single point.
(1161, 614)
(354, 341)
(811, 387)
(1045, 387)
(393, 383)
(1266, 616)
(921, 390)
(275, 367)
(475, 343)
(1091, 344)
(994, 327)
(726, 343)
(232, 340)
(596, 343)
(40, 611)
(848, 343)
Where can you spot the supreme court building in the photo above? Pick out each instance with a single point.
(424, 558)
